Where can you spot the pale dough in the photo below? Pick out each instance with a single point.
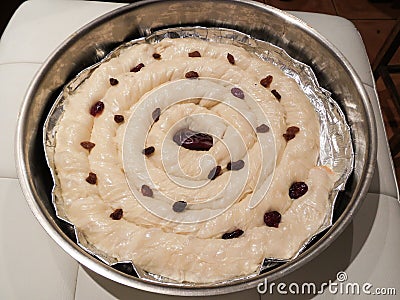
(191, 251)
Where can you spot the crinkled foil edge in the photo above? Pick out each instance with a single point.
(336, 147)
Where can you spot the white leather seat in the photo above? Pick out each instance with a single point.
(34, 267)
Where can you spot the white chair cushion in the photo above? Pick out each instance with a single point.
(33, 266)
(38, 27)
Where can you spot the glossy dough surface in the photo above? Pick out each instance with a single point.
(187, 246)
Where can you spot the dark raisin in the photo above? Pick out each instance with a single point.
(117, 214)
(262, 128)
(113, 81)
(192, 140)
(194, 54)
(293, 129)
(97, 108)
(288, 136)
(230, 58)
(119, 118)
(233, 234)
(146, 191)
(156, 114)
(237, 93)
(272, 219)
(297, 189)
(92, 178)
(179, 206)
(148, 151)
(235, 165)
(156, 56)
(291, 133)
(214, 172)
(88, 145)
(266, 82)
(137, 68)
(276, 94)
(191, 74)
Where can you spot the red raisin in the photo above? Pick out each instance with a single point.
(179, 206)
(237, 93)
(276, 94)
(191, 74)
(214, 172)
(266, 82)
(146, 191)
(297, 189)
(119, 118)
(288, 136)
(156, 56)
(137, 68)
(230, 58)
(193, 140)
(262, 128)
(194, 54)
(117, 214)
(113, 81)
(235, 165)
(88, 145)
(291, 133)
(92, 178)
(97, 108)
(233, 234)
(293, 129)
(272, 219)
(148, 151)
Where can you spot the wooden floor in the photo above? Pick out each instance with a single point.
(373, 18)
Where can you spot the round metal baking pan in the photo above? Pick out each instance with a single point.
(91, 43)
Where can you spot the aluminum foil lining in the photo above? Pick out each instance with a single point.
(336, 148)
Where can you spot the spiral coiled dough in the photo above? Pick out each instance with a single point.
(228, 101)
